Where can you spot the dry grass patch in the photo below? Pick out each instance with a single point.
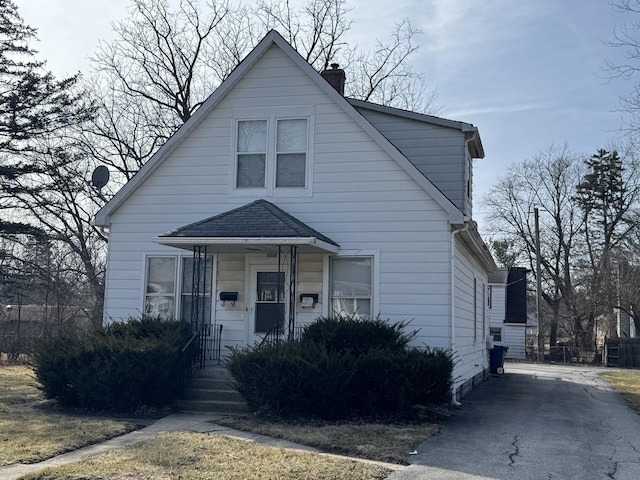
(196, 456)
(626, 382)
(29, 435)
(384, 442)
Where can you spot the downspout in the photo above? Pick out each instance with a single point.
(466, 225)
(452, 336)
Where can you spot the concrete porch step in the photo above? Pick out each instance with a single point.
(226, 394)
(212, 406)
(211, 390)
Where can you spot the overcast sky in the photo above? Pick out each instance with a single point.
(527, 73)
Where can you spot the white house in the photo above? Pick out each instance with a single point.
(293, 202)
(507, 304)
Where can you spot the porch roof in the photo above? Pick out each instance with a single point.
(257, 227)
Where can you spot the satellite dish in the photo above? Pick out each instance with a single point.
(100, 177)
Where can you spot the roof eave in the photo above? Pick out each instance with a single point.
(312, 243)
(473, 239)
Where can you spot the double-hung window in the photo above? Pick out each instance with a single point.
(160, 288)
(252, 153)
(291, 153)
(169, 287)
(351, 286)
(272, 151)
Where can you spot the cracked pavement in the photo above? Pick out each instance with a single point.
(535, 422)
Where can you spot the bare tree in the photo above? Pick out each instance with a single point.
(588, 217)
(627, 38)
(166, 60)
(546, 182)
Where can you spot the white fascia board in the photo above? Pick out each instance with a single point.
(245, 241)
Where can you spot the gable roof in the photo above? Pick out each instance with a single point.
(260, 225)
(103, 217)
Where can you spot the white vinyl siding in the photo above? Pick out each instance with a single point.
(470, 343)
(513, 336)
(356, 194)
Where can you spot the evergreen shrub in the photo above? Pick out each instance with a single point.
(123, 367)
(355, 335)
(340, 368)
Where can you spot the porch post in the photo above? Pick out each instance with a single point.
(293, 264)
(198, 285)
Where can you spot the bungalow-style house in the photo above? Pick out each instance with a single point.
(507, 303)
(281, 201)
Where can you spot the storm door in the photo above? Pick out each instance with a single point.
(268, 302)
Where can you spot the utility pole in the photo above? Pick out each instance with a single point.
(538, 289)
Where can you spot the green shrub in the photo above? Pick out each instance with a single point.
(291, 377)
(122, 367)
(356, 335)
(330, 377)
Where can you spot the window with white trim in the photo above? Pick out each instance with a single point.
(291, 153)
(166, 297)
(251, 153)
(160, 287)
(351, 286)
(496, 333)
(272, 151)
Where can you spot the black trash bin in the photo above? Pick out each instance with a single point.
(496, 359)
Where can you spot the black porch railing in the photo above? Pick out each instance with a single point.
(278, 334)
(203, 346)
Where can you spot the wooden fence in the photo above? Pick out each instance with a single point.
(623, 352)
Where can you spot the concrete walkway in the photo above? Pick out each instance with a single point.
(176, 422)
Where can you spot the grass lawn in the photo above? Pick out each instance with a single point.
(29, 434)
(626, 382)
(384, 442)
(195, 456)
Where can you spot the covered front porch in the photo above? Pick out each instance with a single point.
(256, 273)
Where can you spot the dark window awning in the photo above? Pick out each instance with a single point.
(257, 227)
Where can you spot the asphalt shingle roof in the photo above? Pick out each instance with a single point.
(260, 219)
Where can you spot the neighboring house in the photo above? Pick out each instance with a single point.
(507, 304)
(281, 200)
(625, 326)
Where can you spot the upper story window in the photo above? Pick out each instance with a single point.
(252, 153)
(272, 151)
(291, 153)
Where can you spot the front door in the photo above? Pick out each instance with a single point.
(267, 302)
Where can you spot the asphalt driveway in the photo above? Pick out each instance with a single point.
(535, 422)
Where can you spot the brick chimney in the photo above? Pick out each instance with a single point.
(336, 77)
